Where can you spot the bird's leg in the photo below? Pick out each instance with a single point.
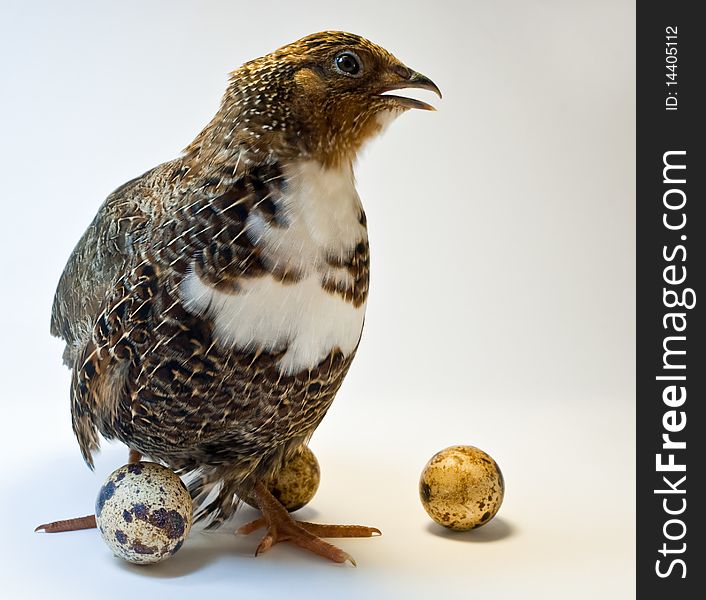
(134, 457)
(282, 527)
(87, 522)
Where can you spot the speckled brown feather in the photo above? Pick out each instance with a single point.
(148, 372)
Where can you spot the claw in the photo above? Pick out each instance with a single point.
(265, 544)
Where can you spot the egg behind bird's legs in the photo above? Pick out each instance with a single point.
(281, 527)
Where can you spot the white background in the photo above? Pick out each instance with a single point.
(501, 311)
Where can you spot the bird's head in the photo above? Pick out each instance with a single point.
(321, 96)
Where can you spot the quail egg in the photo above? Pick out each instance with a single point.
(461, 488)
(296, 484)
(144, 512)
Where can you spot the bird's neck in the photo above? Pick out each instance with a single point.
(237, 134)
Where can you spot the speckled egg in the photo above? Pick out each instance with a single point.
(143, 512)
(297, 482)
(461, 487)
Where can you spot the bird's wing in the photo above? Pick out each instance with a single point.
(98, 260)
(130, 334)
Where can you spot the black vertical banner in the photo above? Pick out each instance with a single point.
(671, 301)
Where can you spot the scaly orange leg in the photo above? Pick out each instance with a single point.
(87, 522)
(282, 527)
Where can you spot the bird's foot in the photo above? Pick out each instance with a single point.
(88, 522)
(317, 529)
(281, 527)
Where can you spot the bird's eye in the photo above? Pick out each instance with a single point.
(347, 63)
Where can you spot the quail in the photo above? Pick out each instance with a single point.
(214, 305)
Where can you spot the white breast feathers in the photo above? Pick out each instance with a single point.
(321, 215)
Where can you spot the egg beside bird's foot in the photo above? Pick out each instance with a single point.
(281, 527)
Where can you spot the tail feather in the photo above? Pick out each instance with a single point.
(214, 491)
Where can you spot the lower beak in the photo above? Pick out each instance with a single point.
(411, 79)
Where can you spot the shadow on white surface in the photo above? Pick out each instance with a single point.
(498, 529)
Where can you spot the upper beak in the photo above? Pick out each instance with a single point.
(404, 78)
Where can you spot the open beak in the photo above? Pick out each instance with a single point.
(405, 78)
